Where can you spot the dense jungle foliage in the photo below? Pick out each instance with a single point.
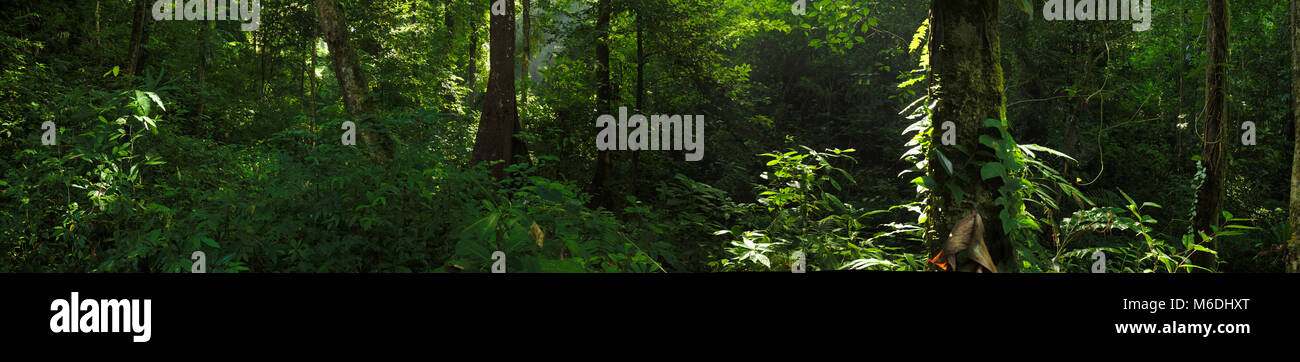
(821, 138)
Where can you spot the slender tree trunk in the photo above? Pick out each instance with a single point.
(604, 96)
(202, 73)
(312, 97)
(311, 76)
(1182, 71)
(964, 57)
(640, 64)
(449, 22)
(449, 17)
(498, 127)
(140, 18)
(347, 68)
(528, 49)
(1294, 221)
(1209, 198)
(261, 61)
(640, 82)
(471, 63)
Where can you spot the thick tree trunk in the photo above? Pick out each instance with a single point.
(1294, 221)
(140, 18)
(604, 97)
(964, 57)
(499, 124)
(347, 68)
(1209, 198)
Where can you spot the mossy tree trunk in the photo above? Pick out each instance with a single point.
(967, 76)
(347, 69)
(1294, 220)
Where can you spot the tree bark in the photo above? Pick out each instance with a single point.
(202, 73)
(499, 125)
(604, 97)
(471, 63)
(347, 68)
(640, 64)
(311, 76)
(140, 17)
(965, 59)
(1294, 221)
(640, 81)
(528, 49)
(1209, 198)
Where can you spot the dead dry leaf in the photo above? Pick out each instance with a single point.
(537, 233)
(967, 234)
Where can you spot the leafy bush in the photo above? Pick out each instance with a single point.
(806, 218)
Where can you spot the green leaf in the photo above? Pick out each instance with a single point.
(550, 192)
(1126, 198)
(1056, 153)
(474, 249)
(947, 164)
(142, 101)
(991, 170)
(957, 193)
(559, 266)
(154, 96)
(988, 141)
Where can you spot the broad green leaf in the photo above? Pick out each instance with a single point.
(991, 170)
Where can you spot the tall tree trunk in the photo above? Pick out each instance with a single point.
(1294, 221)
(311, 76)
(449, 22)
(1182, 73)
(528, 50)
(640, 81)
(498, 127)
(471, 63)
(140, 18)
(347, 68)
(202, 73)
(312, 97)
(1209, 198)
(604, 96)
(964, 57)
(261, 64)
(640, 64)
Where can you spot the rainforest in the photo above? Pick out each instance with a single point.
(473, 136)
